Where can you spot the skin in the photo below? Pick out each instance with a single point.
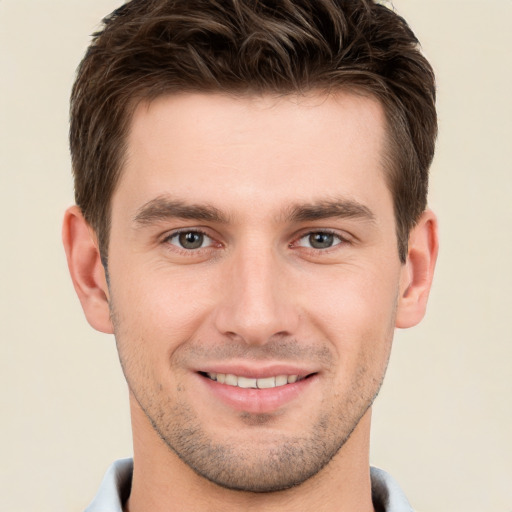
(296, 271)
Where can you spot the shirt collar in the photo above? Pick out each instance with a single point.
(115, 489)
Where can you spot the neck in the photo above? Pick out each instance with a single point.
(162, 482)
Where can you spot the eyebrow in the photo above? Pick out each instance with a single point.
(164, 208)
(341, 208)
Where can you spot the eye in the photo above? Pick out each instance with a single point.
(190, 240)
(320, 240)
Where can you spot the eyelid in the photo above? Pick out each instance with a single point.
(174, 233)
(343, 239)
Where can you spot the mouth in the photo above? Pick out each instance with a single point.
(260, 389)
(276, 381)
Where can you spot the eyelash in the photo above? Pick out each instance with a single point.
(189, 252)
(341, 240)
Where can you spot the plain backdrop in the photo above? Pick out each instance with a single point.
(443, 422)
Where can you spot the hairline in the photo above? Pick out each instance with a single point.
(390, 159)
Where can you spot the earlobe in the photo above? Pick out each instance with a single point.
(418, 271)
(86, 269)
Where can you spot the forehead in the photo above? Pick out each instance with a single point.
(271, 149)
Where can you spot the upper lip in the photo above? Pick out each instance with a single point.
(254, 371)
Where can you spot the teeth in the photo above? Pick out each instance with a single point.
(281, 380)
(269, 382)
(243, 382)
(231, 380)
(248, 383)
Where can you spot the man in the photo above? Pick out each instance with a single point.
(251, 224)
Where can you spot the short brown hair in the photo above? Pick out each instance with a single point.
(148, 48)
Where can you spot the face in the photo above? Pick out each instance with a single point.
(254, 277)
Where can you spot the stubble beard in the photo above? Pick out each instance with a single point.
(270, 466)
(278, 461)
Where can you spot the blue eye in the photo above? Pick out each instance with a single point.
(320, 240)
(190, 240)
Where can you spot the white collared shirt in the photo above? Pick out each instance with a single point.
(115, 489)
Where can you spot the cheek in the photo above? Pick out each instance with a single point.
(161, 307)
(355, 309)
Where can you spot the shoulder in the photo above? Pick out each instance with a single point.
(114, 488)
(387, 495)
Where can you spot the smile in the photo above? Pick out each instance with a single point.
(258, 391)
(251, 383)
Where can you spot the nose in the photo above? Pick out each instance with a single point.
(257, 302)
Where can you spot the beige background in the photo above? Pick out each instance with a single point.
(443, 423)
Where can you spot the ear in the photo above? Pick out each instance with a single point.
(86, 269)
(418, 271)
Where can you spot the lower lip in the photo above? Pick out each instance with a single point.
(258, 401)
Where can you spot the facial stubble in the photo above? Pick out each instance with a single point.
(276, 460)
